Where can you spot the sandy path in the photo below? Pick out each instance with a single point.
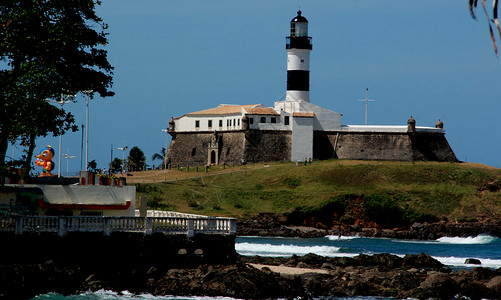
(290, 270)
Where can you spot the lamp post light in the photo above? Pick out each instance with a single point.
(67, 156)
(165, 154)
(64, 99)
(123, 156)
(87, 92)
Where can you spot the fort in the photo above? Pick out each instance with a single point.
(295, 129)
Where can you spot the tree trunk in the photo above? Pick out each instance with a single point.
(4, 144)
(29, 155)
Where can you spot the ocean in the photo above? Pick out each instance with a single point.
(451, 251)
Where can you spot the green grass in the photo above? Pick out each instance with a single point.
(450, 190)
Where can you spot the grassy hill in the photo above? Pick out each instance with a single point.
(455, 191)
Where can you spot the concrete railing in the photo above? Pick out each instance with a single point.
(189, 226)
(169, 214)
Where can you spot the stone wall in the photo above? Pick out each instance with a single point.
(234, 147)
(267, 145)
(188, 149)
(417, 146)
(252, 146)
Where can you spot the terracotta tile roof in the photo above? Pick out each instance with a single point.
(304, 114)
(261, 111)
(225, 109)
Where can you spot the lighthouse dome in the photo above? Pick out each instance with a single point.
(299, 18)
(299, 26)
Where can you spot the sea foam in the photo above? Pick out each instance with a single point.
(286, 250)
(480, 239)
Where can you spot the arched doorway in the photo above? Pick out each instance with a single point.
(213, 157)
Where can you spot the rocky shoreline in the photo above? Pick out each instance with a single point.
(413, 276)
(275, 225)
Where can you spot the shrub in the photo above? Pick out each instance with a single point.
(156, 203)
(467, 220)
(384, 211)
(292, 182)
(258, 186)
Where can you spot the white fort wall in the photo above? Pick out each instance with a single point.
(209, 122)
(302, 139)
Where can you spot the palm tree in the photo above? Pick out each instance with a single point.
(160, 155)
(495, 20)
(92, 166)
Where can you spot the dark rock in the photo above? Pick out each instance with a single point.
(383, 259)
(405, 281)
(313, 260)
(328, 266)
(480, 273)
(472, 261)
(436, 285)
(421, 261)
(474, 290)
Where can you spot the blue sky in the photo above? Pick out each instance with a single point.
(425, 58)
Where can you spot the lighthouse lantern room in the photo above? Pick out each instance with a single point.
(298, 46)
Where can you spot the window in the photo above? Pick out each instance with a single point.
(193, 151)
(251, 120)
(210, 123)
(220, 123)
(238, 122)
(227, 122)
(262, 120)
(286, 120)
(273, 120)
(197, 124)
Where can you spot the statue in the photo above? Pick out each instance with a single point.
(213, 140)
(45, 160)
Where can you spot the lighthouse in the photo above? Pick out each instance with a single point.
(298, 46)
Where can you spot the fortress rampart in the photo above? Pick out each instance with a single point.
(252, 146)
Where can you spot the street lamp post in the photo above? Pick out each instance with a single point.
(64, 99)
(165, 154)
(123, 156)
(67, 156)
(87, 92)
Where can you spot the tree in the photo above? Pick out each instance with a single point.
(473, 5)
(92, 166)
(136, 159)
(47, 48)
(160, 155)
(116, 165)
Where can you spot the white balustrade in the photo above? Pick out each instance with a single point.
(173, 223)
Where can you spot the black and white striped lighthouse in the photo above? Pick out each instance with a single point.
(298, 46)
